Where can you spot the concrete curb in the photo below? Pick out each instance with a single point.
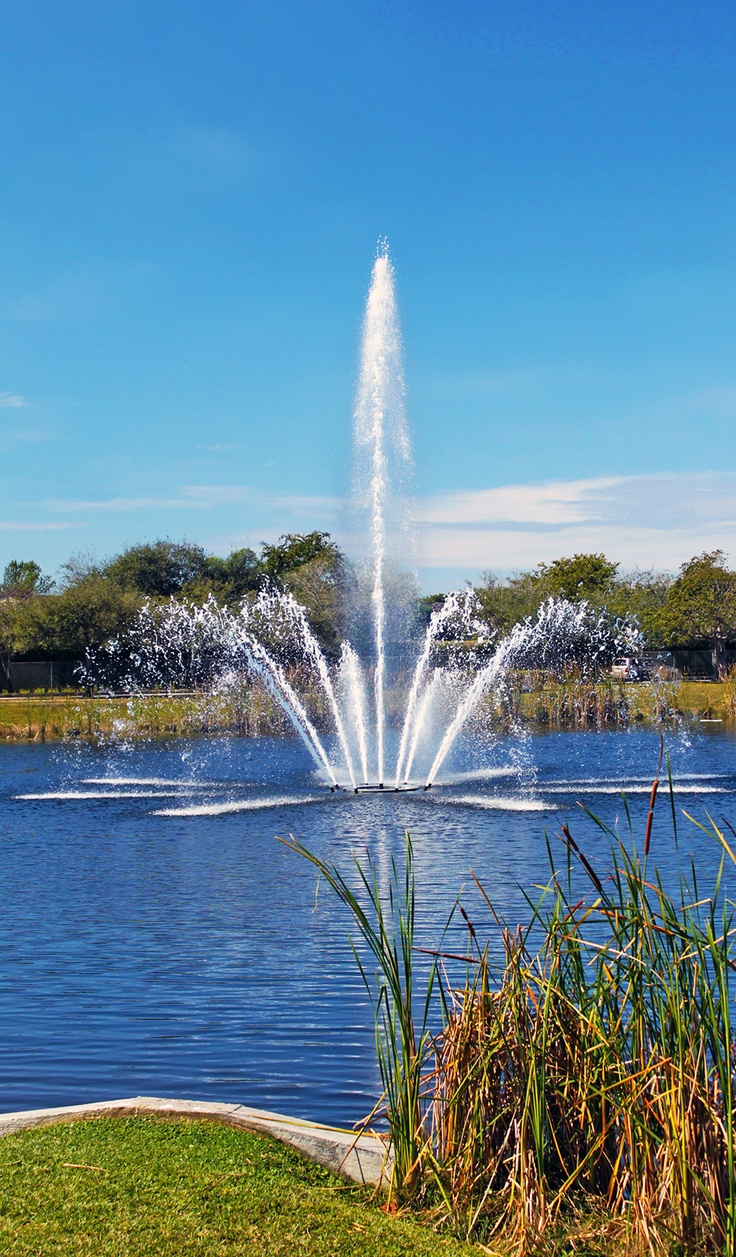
(363, 1159)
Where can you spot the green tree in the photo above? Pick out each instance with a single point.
(584, 576)
(701, 607)
(228, 580)
(591, 577)
(638, 597)
(158, 569)
(641, 596)
(84, 614)
(22, 581)
(423, 608)
(98, 601)
(321, 586)
(505, 602)
(294, 549)
(23, 578)
(313, 568)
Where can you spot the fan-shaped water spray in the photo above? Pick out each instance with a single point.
(458, 610)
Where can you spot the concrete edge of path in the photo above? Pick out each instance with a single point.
(364, 1159)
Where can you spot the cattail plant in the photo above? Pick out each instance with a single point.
(584, 1084)
(402, 1038)
(594, 1072)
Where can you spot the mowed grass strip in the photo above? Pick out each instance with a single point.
(130, 1186)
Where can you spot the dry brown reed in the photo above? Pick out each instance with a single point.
(729, 693)
(594, 1075)
(576, 701)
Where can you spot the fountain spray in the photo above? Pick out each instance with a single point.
(183, 644)
(381, 437)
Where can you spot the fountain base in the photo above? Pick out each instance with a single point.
(375, 788)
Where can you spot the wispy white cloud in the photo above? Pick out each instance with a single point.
(713, 404)
(14, 525)
(12, 399)
(68, 295)
(561, 502)
(24, 436)
(198, 497)
(77, 292)
(218, 149)
(208, 497)
(195, 158)
(125, 504)
(660, 519)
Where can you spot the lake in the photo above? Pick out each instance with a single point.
(157, 939)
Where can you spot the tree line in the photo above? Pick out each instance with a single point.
(695, 608)
(91, 601)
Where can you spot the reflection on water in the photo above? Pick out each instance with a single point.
(157, 939)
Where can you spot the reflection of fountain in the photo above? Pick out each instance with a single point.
(182, 644)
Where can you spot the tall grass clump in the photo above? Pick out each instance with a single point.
(387, 928)
(593, 1075)
(580, 1090)
(574, 700)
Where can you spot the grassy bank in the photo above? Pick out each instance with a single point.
(41, 718)
(575, 703)
(140, 1186)
(551, 703)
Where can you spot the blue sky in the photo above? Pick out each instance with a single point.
(191, 198)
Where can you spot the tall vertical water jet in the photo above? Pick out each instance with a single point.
(382, 447)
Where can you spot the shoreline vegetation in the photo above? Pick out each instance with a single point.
(542, 703)
(573, 1092)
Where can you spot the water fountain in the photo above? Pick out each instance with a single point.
(147, 901)
(182, 644)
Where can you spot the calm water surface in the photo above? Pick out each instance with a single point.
(157, 939)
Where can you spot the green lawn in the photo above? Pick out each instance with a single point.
(142, 1187)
